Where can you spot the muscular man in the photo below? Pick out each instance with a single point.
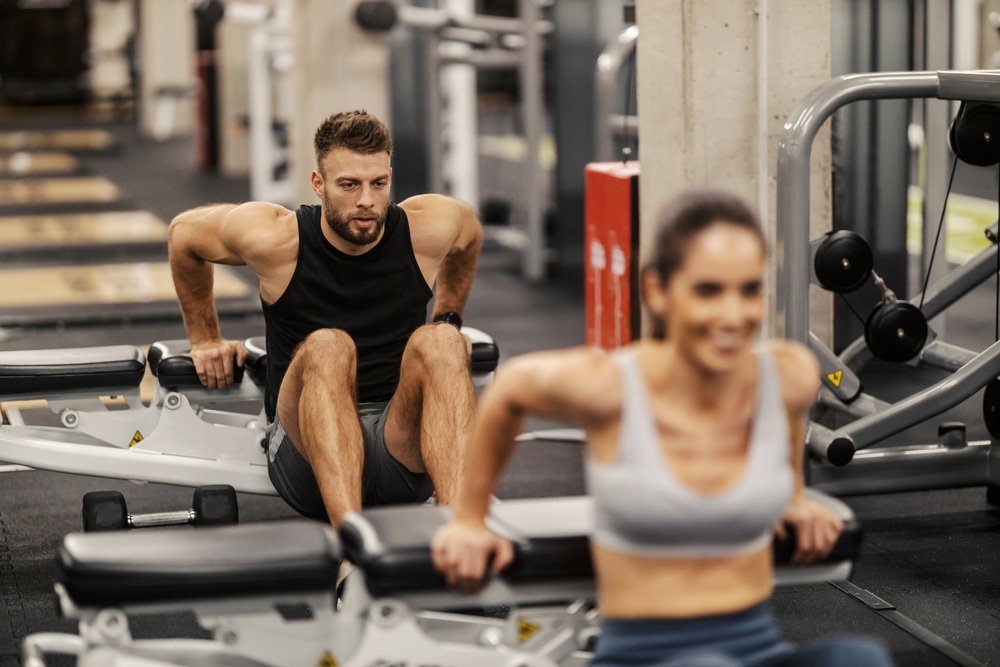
(369, 404)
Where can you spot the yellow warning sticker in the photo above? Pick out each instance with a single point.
(327, 661)
(136, 439)
(835, 377)
(526, 630)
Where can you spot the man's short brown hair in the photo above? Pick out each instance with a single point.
(357, 131)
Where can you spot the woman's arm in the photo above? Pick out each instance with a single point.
(816, 527)
(564, 386)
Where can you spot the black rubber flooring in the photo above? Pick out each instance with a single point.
(929, 556)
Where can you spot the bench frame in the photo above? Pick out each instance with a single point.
(187, 435)
(551, 621)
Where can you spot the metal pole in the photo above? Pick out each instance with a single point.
(435, 152)
(609, 63)
(458, 82)
(535, 249)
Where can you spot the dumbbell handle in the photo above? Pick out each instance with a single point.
(178, 518)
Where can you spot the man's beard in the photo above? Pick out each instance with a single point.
(341, 226)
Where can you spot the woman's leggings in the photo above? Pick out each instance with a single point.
(748, 638)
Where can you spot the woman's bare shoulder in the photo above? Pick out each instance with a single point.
(798, 370)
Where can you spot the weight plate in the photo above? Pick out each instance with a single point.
(975, 135)
(991, 408)
(896, 331)
(843, 261)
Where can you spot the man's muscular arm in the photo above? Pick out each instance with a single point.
(458, 268)
(197, 239)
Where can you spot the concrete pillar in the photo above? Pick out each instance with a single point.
(166, 63)
(715, 86)
(338, 67)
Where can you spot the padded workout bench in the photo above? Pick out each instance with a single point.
(187, 435)
(394, 607)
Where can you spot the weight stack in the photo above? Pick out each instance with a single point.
(611, 253)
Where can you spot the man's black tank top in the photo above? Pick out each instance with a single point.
(379, 298)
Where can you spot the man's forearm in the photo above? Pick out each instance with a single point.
(194, 280)
(455, 280)
(194, 285)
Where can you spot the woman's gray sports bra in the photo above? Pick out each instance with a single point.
(641, 508)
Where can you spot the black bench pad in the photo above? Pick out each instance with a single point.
(485, 352)
(157, 565)
(392, 545)
(71, 369)
(173, 368)
(170, 364)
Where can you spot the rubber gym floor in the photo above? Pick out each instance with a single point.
(929, 557)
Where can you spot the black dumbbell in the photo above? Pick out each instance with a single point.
(376, 15)
(213, 505)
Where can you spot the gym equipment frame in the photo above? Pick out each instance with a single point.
(954, 462)
(498, 43)
(266, 591)
(187, 435)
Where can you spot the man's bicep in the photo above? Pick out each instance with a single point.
(199, 233)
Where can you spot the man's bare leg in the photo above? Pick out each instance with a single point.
(317, 408)
(430, 417)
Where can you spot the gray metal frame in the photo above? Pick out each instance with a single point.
(511, 43)
(608, 124)
(189, 437)
(971, 371)
(432, 627)
(795, 149)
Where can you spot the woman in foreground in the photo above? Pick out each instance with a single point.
(694, 445)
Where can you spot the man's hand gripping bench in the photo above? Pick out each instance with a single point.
(187, 435)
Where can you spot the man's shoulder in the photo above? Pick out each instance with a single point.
(260, 212)
(257, 223)
(429, 208)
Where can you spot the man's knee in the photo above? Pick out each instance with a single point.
(327, 350)
(438, 347)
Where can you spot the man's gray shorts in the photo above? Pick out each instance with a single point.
(384, 480)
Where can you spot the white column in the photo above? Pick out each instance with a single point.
(166, 60)
(458, 85)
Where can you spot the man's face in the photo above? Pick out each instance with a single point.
(354, 189)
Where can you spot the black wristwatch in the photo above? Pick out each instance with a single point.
(451, 317)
